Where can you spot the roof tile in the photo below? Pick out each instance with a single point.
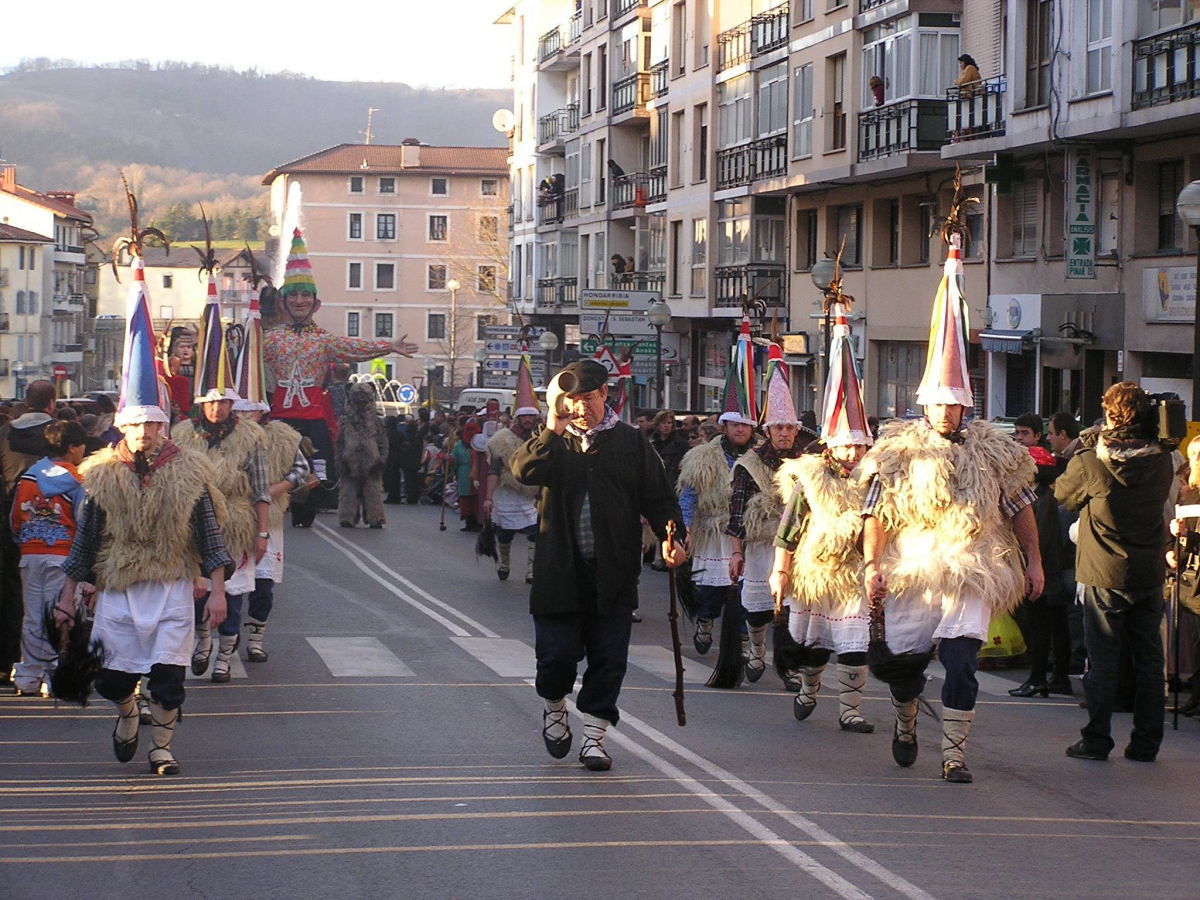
(385, 158)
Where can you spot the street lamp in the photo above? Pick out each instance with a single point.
(452, 286)
(1188, 206)
(659, 316)
(480, 356)
(429, 367)
(548, 341)
(823, 273)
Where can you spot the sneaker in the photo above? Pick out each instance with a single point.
(1080, 750)
(1139, 755)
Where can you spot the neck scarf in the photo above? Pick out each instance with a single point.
(143, 464)
(215, 432)
(609, 421)
(731, 450)
(835, 466)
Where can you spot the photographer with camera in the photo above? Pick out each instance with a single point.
(1119, 481)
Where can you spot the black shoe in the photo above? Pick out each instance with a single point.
(1061, 686)
(502, 574)
(1191, 707)
(753, 673)
(903, 752)
(702, 642)
(1139, 755)
(635, 618)
(956, 774)
(1029, 689)
(346, 524)
(802, 710)
(557, 748)
(1080, 750)
(658, 566)
(595, 763)
(124, 751)
(377, 525)
(857, 726)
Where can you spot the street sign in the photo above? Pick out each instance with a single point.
(537, 367)
(643, 364)
(619, 301)
(499, 379)
(615, 323)
(509, 332)
(1081, 215)
(606, 358)
(500, 346)
(406, 393)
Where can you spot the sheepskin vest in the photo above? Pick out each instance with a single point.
(763, 511)
(282, 442)
(501, 447)
(940, 505)
(228, 459)
(827, 565)
(705, 470)
(147, 533)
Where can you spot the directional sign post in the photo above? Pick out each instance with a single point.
(406, 393)
(643, 364)
(511, 364)
(598, 322)
(619, 301)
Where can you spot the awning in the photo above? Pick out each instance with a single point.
(798, 359)
(1005, 341)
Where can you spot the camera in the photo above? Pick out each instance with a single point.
(1168, 418)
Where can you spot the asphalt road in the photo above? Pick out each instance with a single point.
(391, 748)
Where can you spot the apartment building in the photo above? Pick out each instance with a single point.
(24, 276)
(49, 318)
(404, 239)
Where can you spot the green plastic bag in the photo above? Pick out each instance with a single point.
(1004, 638)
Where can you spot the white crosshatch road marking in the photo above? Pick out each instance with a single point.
(354, 657)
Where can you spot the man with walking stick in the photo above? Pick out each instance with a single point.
(598, 478)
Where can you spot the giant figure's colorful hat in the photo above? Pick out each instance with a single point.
(298, 273)
(844, 418)
(214, 371)
(947, 379)
(527, 403)
(141, 389)
(739, 402)
(778, 408)
(251, 375)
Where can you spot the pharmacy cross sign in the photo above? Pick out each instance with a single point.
(1081, 249)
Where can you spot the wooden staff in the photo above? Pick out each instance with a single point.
(676, 647)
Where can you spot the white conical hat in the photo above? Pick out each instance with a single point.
(844, 418)
(778, 408)
(947, 378)
(527, 404)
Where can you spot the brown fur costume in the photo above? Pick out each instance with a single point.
(359, 455)
(501, 447)
(705, 470)
(764, 510)
(282, 443)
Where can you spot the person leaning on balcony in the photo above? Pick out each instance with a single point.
(876, 86)
(968, 74)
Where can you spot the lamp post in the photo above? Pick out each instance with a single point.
(659, 316)
(548, 341)
(1188, 206)
(823, 272)
(429, 367)
(480, 356)
(452, 286)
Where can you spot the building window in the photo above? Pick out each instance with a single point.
(89, 275)
(849, 228)
(383, 325)
(1099, 46)
(893, 212)
(772, 99)
(1158, 16)
(806, 239)
(802, 112)
(1038, 51)
(354, 276)
(385, 276)
(489, 187)
(925, 224)
(975, 232)
(356, 184)
(481, 325)
(168, 281)
(356, 226)
(387, 185)
(1025, 219)
(1170, 183)
(20, 303)
(437, 228)
(802, 11)
(32, 259)
(439, 187)
(436, 278)
(699, 257)
(385, 227)
(20, 256)
(733, 232)
(735, 112)
(166, 312)
(676, 251)
(486, 282)
(352, 324)
(901, 365)
(835, 78)
(435, 327)
(489, 229)
(701, 164)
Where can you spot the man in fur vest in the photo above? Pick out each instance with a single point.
(817, 554)
(148, 537)
(512, 506)
(360, 453)
(947, 515)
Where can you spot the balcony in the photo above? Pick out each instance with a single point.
(70, 248)
(1166, 67)
(630, 93)
(736, 284)
(733, 47)
(621, 7)
(656, 184)
(864, 5)
(4, 322)
(575, 27)
(660, 78)
(747, 163)
(66, 353)
(639, 281)
(509, 210)
(558, 293)
(975, 111)
(901, 127)
(769, 30)
(551, 209)
(550, 45)
(629, 191)
(68, 303)
(571, 203)
(558, 125)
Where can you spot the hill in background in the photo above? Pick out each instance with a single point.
(190, 133)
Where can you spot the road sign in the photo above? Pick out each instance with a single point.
(406, 393)
(509, 332)
(537, 367)
(606, 358)
(643, 351)
(499, 379)
(504, 345)
(379, 367)
(615, 323)
(619, 301)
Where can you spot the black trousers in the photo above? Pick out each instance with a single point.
(412, 484)
(562, 641)
(1136, 616)
(322, 496)
(166, 685)
(1048, 629)
(12, 602)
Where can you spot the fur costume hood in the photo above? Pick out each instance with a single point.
(500, 448)
(148, 530)
(827, 563)
(940, 505)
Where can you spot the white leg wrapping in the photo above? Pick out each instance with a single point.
(758, 646)
(203, 648)
(127, 721)
(956, 725)
(255, 632)
(594, 730)
(225, 652)
(851, 681)
(162, 729)
(505, 553)
(556, 727)
(906, 720)
(810, 685)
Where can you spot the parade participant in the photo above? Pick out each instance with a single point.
(45, 509)
(755, 508)
(947, 515)
(148, 535)
(598, 478)
(512, 506)
(300, 354)
(236, 450)
(705, 487)
(462, 458)
(287, 470)
(816, 549)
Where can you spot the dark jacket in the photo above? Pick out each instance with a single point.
(1119, 482)
(671, 450)
(23, 442)
(624, 481)
(409, 446)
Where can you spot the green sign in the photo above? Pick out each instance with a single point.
(1081, 215)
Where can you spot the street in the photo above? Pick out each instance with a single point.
(391, 748)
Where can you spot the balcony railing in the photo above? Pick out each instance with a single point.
(575, 26)
(66, 348)
(763, 158)
(769, 30)
(737, 284)
(639, 281)
(656, 184)
(630, 92)
(571, 203)
(901, 127)
(556, 126)
(558, 293)
(660, 78)
(551, 209)
(549, 44)
(620, 7)
(70, 248)
(1166, 67)
(629, 191)
(3, 321)
(733, 47)
(510, 218)
(864, 5)
(976, 110)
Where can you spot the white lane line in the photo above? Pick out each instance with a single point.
(237, 668)
(661, 662)
(506, 657)
(351, 657)
(809, 827)
(992, 685)
(412, 586)
(453, 628)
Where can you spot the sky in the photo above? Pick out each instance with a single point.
(435, 43)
